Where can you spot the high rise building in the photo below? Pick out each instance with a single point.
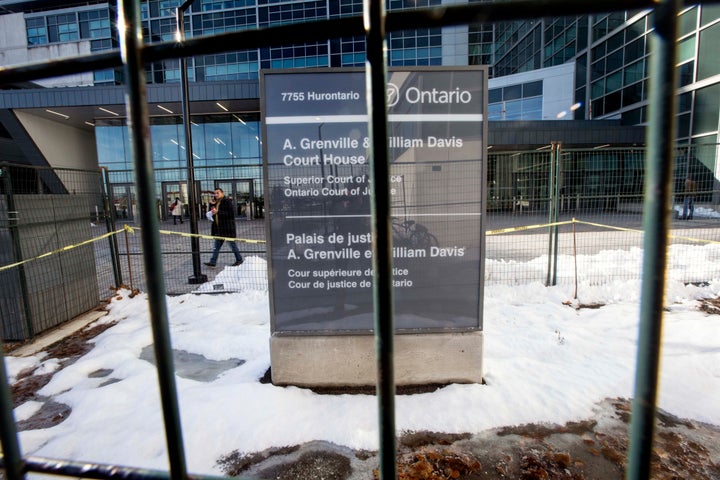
(610, 54)
(592, 67)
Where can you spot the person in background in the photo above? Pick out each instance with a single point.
(176, 210)
(223, 225)
(689, 198)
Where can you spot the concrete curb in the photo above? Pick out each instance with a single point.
(46, 339)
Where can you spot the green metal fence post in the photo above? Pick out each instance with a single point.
(551, 214)
(656, 220)
(17, 250)
(374, 16)
(110, 225)
(197, 277)
(131, 45)
(11, 458)
(556, 209)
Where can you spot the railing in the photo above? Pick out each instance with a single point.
(134, 55)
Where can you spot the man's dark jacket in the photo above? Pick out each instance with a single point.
(224, 220)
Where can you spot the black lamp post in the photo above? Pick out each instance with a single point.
(197, 276)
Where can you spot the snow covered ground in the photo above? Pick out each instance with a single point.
(544, 361)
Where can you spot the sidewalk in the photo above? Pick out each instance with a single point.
(45, 339)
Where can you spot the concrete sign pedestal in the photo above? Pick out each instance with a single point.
(349, 360)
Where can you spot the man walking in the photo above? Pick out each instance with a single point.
(689, 198)
(223, 226)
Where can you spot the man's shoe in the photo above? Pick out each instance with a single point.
(209, 264)
(239, 262)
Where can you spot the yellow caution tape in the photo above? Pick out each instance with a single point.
(526, 227)
(59, 250)
(612, 227)
(207, 237)
(130, 229)
(635, 230)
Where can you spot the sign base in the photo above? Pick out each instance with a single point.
(349, 360)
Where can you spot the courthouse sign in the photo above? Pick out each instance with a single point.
(317, 158)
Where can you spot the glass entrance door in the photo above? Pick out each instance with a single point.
(241, 193)
(124, 202)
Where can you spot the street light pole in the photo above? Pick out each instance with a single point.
(197, 277)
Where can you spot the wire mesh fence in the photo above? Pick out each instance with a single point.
(602, 189)
(177, 260)
(44, 211)
(575, 221)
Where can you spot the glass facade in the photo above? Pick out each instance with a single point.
(91, 24)
(209, 17)
(226, 153)
(218, 140)
(611, 57)
(609, 52)
(516, 102)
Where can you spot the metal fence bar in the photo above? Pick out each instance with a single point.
(658, 181)
(110, 225)
(139, 124)
(658, 195)
(374, 11)
(11, 459)
(321, 30)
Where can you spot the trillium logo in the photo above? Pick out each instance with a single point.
(393, 94)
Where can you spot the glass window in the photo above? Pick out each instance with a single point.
(298, 56)
(632, 94)
(600, 29)
(686, 49)
(612, 102)
(36, 31)
(685, 102)
(111, 145)
(613, 82)
(104, 76)
(706, 109)
(597, 69)
(512, 92)
(579, 113)
(683, 125)
(94, 24)
(635, 30)
(582, 33)
(513, 110)
(495, 95)
(631, 117)
(688, 22)
(709, 13)
(685, 73)
(615, 41)
(495, 111)
(197, 130)
(709, 41)
(614, 60)
(291, 12)
(166, 143)
(532, 108)
(634, 72)
(581, 71)
(218, 142)
(635, 49)
(63, 28)
(246, 140)
(533, 89)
